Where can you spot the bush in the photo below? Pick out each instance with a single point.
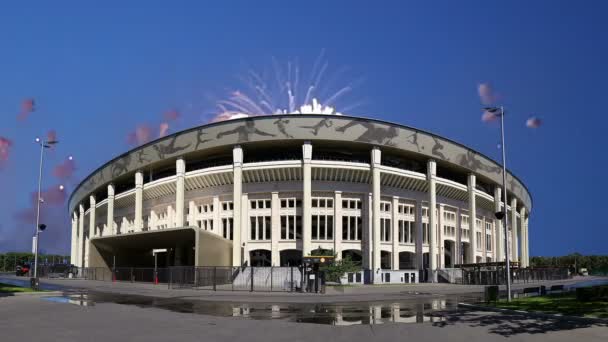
(587, 294)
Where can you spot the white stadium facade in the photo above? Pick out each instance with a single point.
(268, 190)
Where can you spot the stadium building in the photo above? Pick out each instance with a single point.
(268, 190)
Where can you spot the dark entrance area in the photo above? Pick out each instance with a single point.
(354, 255)
(407, 261)
(291, 257)
(260, 258)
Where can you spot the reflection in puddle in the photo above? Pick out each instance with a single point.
(80, 300)
(414, 311)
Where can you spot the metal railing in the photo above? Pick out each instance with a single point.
(497, 276)
(226, 278)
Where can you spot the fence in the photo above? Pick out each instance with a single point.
(497, 276)
(285, 279)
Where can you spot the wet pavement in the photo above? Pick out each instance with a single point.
(411, 311)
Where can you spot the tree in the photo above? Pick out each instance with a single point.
(338, 268)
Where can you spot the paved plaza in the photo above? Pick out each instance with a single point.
(145, 312)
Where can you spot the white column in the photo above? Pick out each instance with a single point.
(81, 237)
(338, 224)
(514, 256)
(180, 168)
(139, 201)
(430, 177)
(192, 215)
(92, 228)
(217, 221)
(471, 258)
(275, 235)
(419, 255)
(395, 231)
(483, 240)
(522, 232)
(527, 243)
(366, 239)
(440, 224)
(73, 250)
(458, 244)
(498, 229)
(245, 227)
(306, 197)
(376, 160)
(110, 214)
(237, 194)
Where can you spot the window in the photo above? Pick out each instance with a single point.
(352, 227)
(406, 209)
(206, 224)
(385, 229)
(260, 227)
(318, 202)
(425, 232)
(227, 206)
(260, 204)
(488, 242)
(291, 223)
(406, 231)
(322, 227)
(351, 204)
(478, 242)
(205, 208)
(228, 228)
(385, 206)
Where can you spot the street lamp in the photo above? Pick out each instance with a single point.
(502, 214)
(39, 227)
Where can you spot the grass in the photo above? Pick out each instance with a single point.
(7, 288)
(565, 304)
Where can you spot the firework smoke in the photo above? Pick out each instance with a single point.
(171, 115)
(488, 116)
(284, 91)
(533, 122)
(27, 107)
(66, 169)
(486, 94)
(141, 135)
(163, 129)
(5, 146)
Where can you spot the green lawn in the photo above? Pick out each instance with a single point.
(565, 304)
(7, 288)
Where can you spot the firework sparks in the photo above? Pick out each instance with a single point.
(171, 115)
(284, 92)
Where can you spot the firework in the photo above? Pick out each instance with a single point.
(163, 129)
(171, 115)
(66, 169)
(141, 135)
(284, 91)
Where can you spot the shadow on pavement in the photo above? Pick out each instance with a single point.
(512, 324)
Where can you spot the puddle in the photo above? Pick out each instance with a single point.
(413, 311)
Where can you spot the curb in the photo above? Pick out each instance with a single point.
(25, 294)
(534, 314)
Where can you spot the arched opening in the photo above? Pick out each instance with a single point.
(354, 255)
(407, 261)
(260, 257)
(385, 260)
(291, 257)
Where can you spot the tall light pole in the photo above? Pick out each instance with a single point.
(43, 144)
(502, 214)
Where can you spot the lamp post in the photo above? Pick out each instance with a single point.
(43, 144)
(502, 214)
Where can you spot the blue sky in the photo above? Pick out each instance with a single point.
(96, 71)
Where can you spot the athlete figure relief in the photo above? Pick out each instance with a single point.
(314, 129)
(372, 133)
(471, 162)
(121, 166)
(199, 139)
(163, 150)
(244, 131)
(281, 125)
